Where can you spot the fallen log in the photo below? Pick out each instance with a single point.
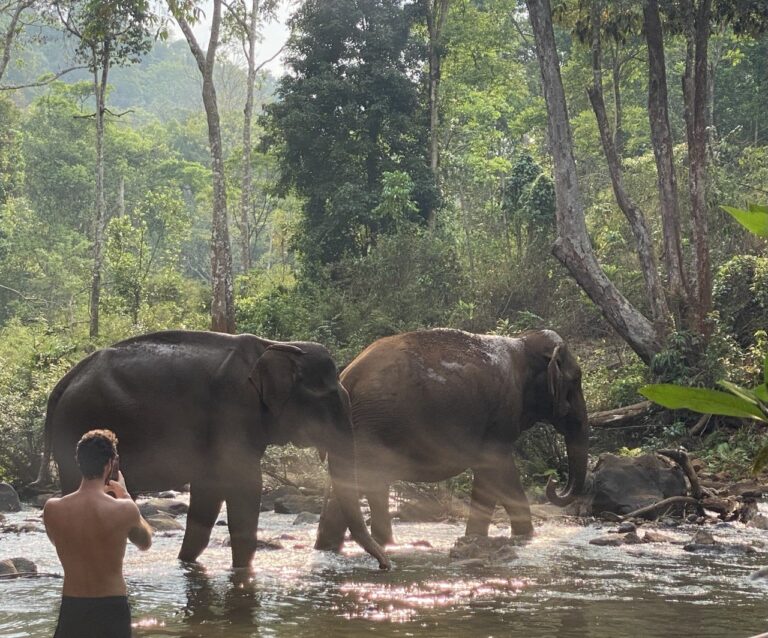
(621, 416)
(661, 505)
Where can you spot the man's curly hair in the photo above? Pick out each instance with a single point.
(94, 450)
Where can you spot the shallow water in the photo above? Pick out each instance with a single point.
(559, 586)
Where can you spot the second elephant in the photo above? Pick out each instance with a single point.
(428, 405)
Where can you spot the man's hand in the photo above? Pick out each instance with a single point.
(117, 488)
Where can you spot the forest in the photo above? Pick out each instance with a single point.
(488, 165)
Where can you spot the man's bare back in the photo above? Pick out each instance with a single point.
(89, 529)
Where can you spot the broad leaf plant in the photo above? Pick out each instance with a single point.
(734, 401)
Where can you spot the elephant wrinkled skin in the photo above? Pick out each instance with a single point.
(200, 408)
(427, 405)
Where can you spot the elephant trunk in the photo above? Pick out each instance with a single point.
(344, 480)
(577, 447)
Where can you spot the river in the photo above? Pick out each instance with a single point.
(558, 586)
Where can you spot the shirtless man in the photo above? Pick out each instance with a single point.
(89, 528)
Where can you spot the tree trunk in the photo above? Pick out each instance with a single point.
(573, 246)
(653, 286)
(696, 95)
(661, 139)
(618, 109)
(436, 11)
(222, 303)
(99, 217)
(246, 194)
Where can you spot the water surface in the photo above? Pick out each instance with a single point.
(559, 586)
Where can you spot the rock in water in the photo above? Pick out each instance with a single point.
(484, 548)
(9, 499)
(621, 484)
(305, 518)
(164, 523)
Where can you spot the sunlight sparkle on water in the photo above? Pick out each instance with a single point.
(400, 603)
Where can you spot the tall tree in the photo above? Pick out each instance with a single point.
(436, 12)
(645, 250)
(111, 32)
(661, 139)
(246, 22)
(573, 246)
(697, 18)
(347, 113)
(222, 303)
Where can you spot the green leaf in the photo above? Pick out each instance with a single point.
(761, 460)
(756, 221)
(702, 400)
(747, 395)
(761, 392)
(757, 208)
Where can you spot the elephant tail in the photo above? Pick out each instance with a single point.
(44, 480)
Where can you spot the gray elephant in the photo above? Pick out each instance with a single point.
(427, 405)
(200, 408)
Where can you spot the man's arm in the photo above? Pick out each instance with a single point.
(140, 533)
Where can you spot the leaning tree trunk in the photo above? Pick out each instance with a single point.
(573, 246)
(222, 303)
(635, 217)
(661, 139)
(100, 212)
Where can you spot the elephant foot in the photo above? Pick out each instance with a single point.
(522, 531)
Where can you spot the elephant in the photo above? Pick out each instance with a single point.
(200, 408)
(427, 405)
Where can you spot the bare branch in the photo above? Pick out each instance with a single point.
(53, 78)
(263, 64)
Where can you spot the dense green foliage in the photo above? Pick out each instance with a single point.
(341, 250)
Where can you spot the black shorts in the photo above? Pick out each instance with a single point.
(108, 617)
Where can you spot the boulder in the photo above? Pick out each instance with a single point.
(24, 565)
(161, 522)
(9, 499)
(620, 485)
(306, 518)
(607, 541)
(15, 566)
(268, 498)
(163, 506)
(760, 521)
(39, 500)
(421, 510)
(652, 536)
(295, 504)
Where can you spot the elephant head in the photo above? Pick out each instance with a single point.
(557, 398)
(304, 404)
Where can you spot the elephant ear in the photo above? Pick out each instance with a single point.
(275, 375)
(556, 383)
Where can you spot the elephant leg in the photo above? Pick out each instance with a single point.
(243, 505)
(332, 526)
(512, 497)
(482, 503)
(381, 521)
(204, 506)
